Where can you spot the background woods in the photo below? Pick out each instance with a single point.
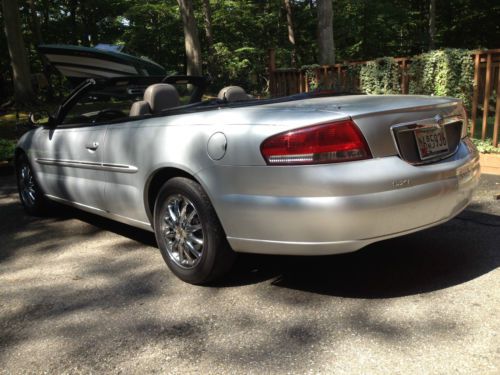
(231, 41)
(235, 35)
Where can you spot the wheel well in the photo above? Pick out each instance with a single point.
(157, 180)
(17, 153)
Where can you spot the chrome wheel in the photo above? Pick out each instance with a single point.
(190, 237)
(27, 185)
(182, 230)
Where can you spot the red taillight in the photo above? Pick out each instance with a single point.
(324, 143)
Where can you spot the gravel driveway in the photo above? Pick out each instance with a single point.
(81, 294)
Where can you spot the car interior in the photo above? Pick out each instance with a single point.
(118, 100)
(133, 98)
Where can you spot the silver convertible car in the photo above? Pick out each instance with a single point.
(310, 174)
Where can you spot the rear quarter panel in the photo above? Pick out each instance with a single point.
(180, 142)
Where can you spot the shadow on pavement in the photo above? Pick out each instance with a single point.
(138, 235)
(438, 258)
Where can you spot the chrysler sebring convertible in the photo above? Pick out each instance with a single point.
(309, 174)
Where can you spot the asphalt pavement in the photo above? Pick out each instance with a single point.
(81, 294)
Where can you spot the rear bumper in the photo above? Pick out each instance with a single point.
(367, 201)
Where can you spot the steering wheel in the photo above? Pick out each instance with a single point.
(108, 115)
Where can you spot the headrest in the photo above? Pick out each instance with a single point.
(161, 96)
(233, 94)
(139, 108)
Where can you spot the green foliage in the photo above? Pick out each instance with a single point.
(486, 146)
(237, 67)
(381, 76)
(310, 72)
(7, 148)
(448, 72)
(353, 75)
(244, 30)
(154, 30)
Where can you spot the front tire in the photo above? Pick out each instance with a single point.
(189, 234)
(30, 193)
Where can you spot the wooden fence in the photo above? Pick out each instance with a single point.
(284, 82)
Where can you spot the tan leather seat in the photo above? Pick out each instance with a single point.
(233, 94)
(157, 97)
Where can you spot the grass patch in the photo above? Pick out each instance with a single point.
(8, 124)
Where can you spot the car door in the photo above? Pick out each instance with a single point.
(127, 170)
(69, 152)
(70, 163)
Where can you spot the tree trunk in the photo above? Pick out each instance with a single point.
(72, 18)
(21, 75)
(46, 14)
(325, 33)
(191, 40)
(35, 23)
(38, 39)
(85, 32)
(432, 24)
(207, 17)
(291, 33)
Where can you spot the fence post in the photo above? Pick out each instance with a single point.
(475, 96)
(487, 91)
(272, 69)
(497, 114)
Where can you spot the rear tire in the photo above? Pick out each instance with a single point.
(189, 234)
(30, 193)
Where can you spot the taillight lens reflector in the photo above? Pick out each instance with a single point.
(318, 144)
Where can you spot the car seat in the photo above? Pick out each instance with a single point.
(157, 98)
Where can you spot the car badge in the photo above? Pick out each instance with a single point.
(439, 120)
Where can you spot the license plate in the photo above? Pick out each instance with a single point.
(431, 142)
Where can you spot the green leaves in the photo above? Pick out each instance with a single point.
(448, 72)
(381, 77)
(486, 146)
(155, 30)
(7, 148)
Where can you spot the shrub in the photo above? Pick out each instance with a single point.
(486, 146)
(448, 72)
(381, 76)
(7, 148)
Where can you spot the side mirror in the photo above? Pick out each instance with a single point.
(41, 118)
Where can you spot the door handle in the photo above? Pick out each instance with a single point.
(92, 146)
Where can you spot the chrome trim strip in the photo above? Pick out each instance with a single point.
(423, 124)
(426, 123)
(110, 167)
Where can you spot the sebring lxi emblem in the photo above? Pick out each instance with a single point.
(401, 183)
